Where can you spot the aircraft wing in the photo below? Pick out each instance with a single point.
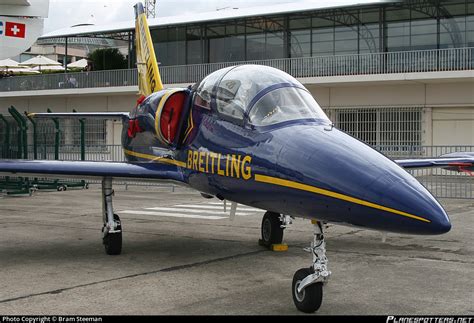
(84, 169)
(461, 162)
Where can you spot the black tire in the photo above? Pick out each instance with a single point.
(113, 241)
(86, 186)
(271, 230)
(310, 299)
(62, 188)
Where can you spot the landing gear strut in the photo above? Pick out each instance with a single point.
(112, 229)
(307, 287)
(272, 228)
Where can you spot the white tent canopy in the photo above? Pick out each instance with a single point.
(40, 60)
(52, 68)
(82, 63)
(8, 63)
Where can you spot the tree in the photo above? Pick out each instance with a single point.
(107, 59)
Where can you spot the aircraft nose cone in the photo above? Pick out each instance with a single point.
(442, 226)
(355, 184)
(423, 212)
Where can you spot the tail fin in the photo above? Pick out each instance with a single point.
(148, 72)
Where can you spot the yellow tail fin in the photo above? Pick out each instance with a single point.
(148, 72)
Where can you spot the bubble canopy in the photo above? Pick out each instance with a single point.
(263, 95)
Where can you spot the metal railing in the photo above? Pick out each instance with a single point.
(442, 183)
(453, 59)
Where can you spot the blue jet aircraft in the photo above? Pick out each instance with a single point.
(254, 135)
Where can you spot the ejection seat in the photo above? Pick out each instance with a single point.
(171, 116)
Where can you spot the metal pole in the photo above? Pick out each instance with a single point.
(22, 134)
(56, 137)
(6, 139)
(83, 137)
(65, 55)
(129, 50)
(35, 139)
(19, 136)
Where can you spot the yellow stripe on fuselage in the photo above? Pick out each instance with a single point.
(157, 159)
(339, 196)
(188, 131)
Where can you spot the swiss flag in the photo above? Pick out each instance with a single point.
(15, 29)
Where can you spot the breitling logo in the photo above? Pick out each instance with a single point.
(230, 165)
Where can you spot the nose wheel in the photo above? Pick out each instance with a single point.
(309, 299)
(307, 286)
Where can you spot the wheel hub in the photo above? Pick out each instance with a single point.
(267, 230)
(299, 295)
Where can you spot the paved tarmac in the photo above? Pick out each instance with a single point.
(52, 260)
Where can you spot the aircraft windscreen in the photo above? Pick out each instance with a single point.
(239, 86)
(284, 104)
(232, 92)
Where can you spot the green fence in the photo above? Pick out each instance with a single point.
(442, 183)
(21, 138)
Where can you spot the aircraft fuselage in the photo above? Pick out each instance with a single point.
(303, 168)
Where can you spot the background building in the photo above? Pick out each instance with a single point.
(397, 75)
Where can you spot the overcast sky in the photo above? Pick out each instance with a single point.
(65, 13)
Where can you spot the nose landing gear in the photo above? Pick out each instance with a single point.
(307, 287)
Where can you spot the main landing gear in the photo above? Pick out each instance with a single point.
(307, 287)
(112, 229)
(272, 228)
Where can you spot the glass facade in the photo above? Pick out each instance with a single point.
(405, 26)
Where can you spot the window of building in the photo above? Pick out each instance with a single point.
(217, 43)
(300, 37)
(194, 51)
(470, 31)
(346, 34)
(470, 25)
(397, 29)
(170, 45)
(265, 38)
(323, 37)
(423, 30)
(452, 32)
(407, 26)
(369, 31)
(388, 129)
(235, 42)
(255, 39)
(226, 42)
(275, 42)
